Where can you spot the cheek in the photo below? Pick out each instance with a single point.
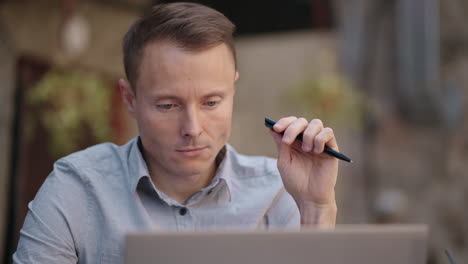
(157, 127)
(146, 119)
(222, 121)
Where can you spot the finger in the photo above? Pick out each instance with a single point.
(314, 127)
(283, 150)
(294, 129)
(325, 137)
(276, 137)
(283, 123)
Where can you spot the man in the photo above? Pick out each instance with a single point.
(179, 174)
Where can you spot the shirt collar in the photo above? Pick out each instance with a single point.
(225, 169)
(138, 168)
(136, 164)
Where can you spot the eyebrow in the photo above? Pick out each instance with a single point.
(166, 97)
(174, 97)
(217, 93)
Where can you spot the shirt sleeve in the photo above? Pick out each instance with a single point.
(283, 212)
(52, 229)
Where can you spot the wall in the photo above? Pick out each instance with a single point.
(6, 119)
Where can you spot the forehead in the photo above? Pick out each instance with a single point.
(164, 65)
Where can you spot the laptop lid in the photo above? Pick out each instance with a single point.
(383, 244)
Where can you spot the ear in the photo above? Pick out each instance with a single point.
(128, 96)
(236, 76)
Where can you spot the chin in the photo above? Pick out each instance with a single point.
(192, 169)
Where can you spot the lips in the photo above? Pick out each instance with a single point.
(191, 149)
(192, 152)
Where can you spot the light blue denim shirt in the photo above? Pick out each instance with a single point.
(93, 197)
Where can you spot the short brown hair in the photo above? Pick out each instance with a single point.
(190, 26)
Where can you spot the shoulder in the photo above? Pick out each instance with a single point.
(253, 167)
(103, 158)
(93, 156)
(258, 180)
(98, 157)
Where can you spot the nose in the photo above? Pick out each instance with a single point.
(191, 126)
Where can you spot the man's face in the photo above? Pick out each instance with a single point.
(183, 106)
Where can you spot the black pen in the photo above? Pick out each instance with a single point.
(270, 123)
(449, 256)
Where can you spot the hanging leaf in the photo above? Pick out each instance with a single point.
(331, 98)
(71, 104)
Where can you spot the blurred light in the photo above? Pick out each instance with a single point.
(75, 36)
(391, 203)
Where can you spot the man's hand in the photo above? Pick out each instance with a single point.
(308, 173)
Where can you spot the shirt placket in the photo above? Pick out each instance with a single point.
(184, 219)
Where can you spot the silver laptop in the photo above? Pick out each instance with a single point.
(361, 244)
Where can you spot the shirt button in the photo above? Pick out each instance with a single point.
(183, 211)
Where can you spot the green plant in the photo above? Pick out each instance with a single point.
(331, 98)
(70, 104)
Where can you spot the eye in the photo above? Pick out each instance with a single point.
(211, 103)
(165, 106)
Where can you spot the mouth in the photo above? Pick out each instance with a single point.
(190, 152)
(190, 149)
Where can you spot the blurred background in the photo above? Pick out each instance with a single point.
(390, 76)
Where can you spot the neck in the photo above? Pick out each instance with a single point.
(181, 187)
